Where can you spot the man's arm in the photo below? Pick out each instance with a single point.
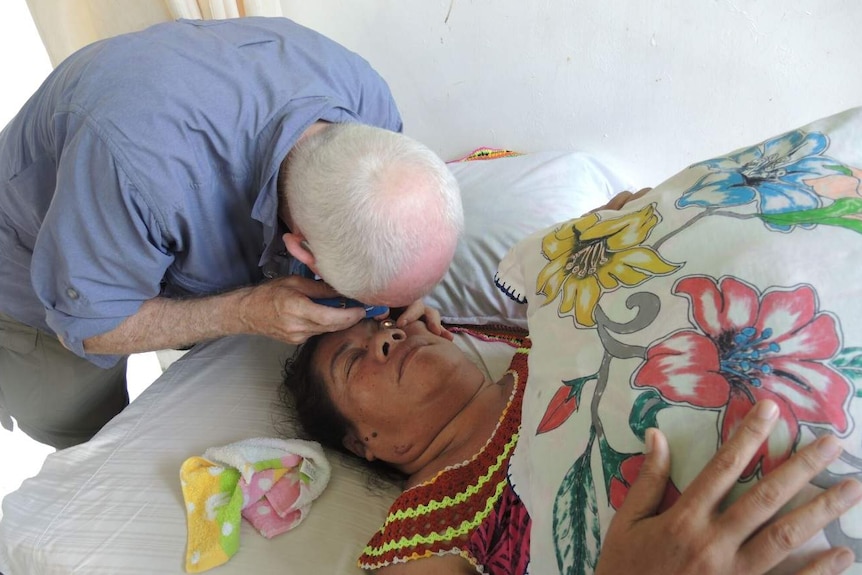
(280, 309)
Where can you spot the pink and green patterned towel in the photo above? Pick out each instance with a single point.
(269, 482)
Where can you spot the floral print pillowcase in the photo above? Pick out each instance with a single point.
(738, 279)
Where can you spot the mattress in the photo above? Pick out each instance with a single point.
(114, 505)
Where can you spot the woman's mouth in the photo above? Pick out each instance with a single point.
(408, 355)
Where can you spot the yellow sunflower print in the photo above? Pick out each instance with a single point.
(588, 256)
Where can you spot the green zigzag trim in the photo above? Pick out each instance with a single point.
(461, 497)
(448, 535)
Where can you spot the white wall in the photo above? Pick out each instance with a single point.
(23, 59)
(656, 84)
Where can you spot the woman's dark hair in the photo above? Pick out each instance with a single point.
(305, 392)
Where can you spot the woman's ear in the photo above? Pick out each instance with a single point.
(297, 246)
(357, 447)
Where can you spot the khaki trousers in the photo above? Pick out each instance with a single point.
(56, 397)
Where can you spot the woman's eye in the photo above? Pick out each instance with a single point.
(352, 360)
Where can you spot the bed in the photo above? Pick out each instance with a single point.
(602, 368)
(114, 504)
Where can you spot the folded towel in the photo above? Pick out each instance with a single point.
(270, 482)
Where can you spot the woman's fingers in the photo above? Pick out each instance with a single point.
(776, 540)
(723, 470)
(830, 562)
(621, 199)
(763, 500)
(648, 489)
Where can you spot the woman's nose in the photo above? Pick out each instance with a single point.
(385, 341)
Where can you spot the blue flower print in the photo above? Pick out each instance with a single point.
(772, 173)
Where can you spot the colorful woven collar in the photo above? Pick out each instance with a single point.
(437, 517)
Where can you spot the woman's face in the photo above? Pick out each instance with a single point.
(399, 388)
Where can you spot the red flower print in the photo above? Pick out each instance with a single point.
(629, 470)
(752, 346)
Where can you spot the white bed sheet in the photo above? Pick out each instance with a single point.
(114, 505)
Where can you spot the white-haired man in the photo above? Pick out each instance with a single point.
(156, 179)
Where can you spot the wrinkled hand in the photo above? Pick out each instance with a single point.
(696, 537)
(621, 199)
(282, 309)
(418, 310)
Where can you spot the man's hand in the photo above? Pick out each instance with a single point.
(418, 310)
(279, 309)
(696, 537)
(621, 199)
(282, 309)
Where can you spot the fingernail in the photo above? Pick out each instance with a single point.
(649, 440)
(766, 410)
(851, 491)
(829, 447)
(843, 560)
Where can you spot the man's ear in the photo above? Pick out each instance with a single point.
(297, 247)
(356, 446)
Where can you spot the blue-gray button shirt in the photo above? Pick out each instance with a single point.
(146, 165)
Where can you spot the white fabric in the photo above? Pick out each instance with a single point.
(114, 504)
(243, 454)
(221, 9)
(72, 24)
(68, 25)
(504, 200)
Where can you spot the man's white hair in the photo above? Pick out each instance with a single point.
(371, 203)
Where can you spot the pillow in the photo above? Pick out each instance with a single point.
(504, 200)
(734, 281)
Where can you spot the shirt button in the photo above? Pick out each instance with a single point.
(72, 293)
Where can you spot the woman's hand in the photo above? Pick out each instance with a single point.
(621, 199)
(695, 536)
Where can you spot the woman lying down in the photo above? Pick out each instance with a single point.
(714, 318)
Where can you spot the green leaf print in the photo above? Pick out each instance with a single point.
(577, 533)
(644, 412)
(849, 363)
(843, 212)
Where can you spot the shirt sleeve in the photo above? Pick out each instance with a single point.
(100, 252)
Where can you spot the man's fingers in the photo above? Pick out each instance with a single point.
(775, 541)
(434, 325)
(648, 489)
(763, 500)
(418, 310)
(310, 287)
(411, 313)
(335, 319)
(724, 469)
